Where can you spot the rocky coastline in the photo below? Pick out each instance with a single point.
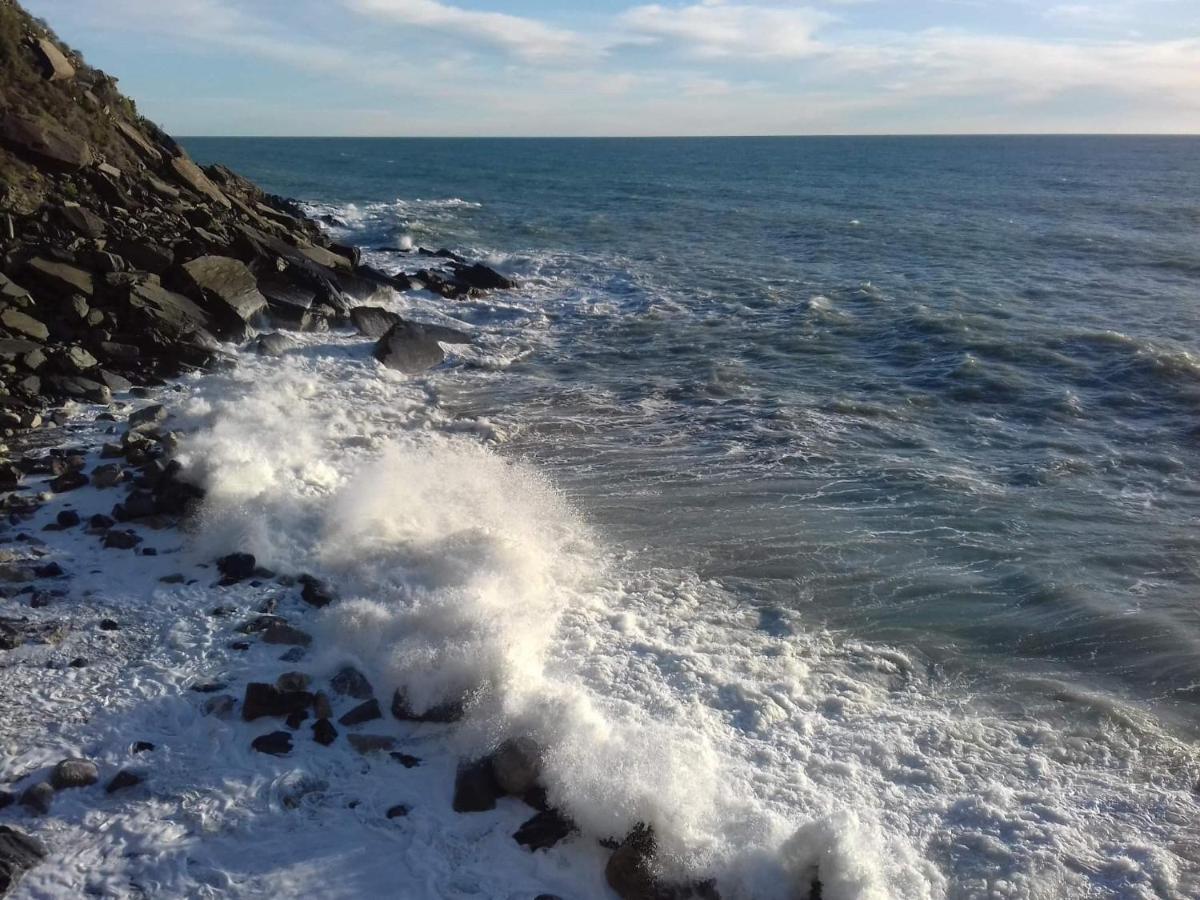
(123, 265)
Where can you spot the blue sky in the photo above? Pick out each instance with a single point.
(607, 67)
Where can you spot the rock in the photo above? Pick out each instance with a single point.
(46, 142)
(407, 347)
(286, 635)
(237, 566)
(68, 518)
(7, 799)
(19, 322)
(349, 682)
(68, 481)
(60, 279)
(116, 384)
(18, 854)
(272, 344)
(543, 831)
(220, 707)
(277, 743)
(121, 540)
(629, 871)
(267, 700)
(451, 711)
(139, 140)
(227, 285)
(148, 417)
(80, 388)
(174, 313)
(108, 475)
(323, 257)
(371, 743)
(109, 625)
(399, 811)
(50, 570)
(192, 176)
(122, 780)
(142, 254)
(88, 224)
(322, 708)
(143, 747)
(296, 718)
(55, 65)
(409, 762)
(74, 773)
(76, 359)
(475, 787)
(39, 798)
(138, 505)
(323, 732)
(480, 277)
(293, 681)
(373, 321)
(314, 592)
(364, 712)
(517, 765)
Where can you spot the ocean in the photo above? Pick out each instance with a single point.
(828, 503)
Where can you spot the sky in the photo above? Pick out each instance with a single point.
(622, 67)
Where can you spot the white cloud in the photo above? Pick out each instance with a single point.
(526, 38)
(713, 28)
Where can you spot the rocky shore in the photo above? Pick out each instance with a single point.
(123, 265)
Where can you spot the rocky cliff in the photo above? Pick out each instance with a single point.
(123, 262)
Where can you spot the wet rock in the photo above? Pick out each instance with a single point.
(314, 592)
(143, 747)
(406, 760)
(323, 732)
(68, 481)
(443, 713)
(517, 765)
(322, 708)
(399, 811)
(349, 682)
(475, 787)
(544, 830)
(147, 417)
(68, 518)
(108, 475)
(630, 872)
(38, 798)
(122, 780)
(293, 681)
(50, 570)
(80, 388)
(18, 854)
(407, 347)
(228, 289)
(274, 344)
(276, 743)
(373, 321)
(74, 773)
(267, 700)
(221, 706)
(109, 625)
(286, 635)
(237, 566)
(207, 687)
(121, 540)
(296, 718)
(7, 798)
(371, 743)
(364, 712)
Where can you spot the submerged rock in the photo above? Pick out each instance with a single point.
(517, 765)
(276, 743)
(349, 682)
(18, 854)
(74, 773)
(267, 700)
(123, 780)
(38, 798)
(367, 711)
(407, 347)
(237, 566)
(323, 732)
(544, 830)
(475, 787)
(442, 713)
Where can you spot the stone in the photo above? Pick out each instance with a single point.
(76, 359)
(373, 321)
(55, 65)
(543, 831)
(148, 417)
(480, 277)
(475, 787)
(60, 279)
(314, 592)
(143, 747)
(116, 384)
(139, 140)
(237, 566)
(272, 344)
(371, 743)
(409, 762)
(322, 708)
(45, 142)
(399, 811)
(74, 773)
(192, 176)
(68, 518)
(18, 854)
(450, 711)
(84, 221)
(296, 718)
(367, 711)
(123, 780)
(323, 257)
(293, 681)
(142, 255)
(517, 765)
(39, 798)
(408, 348)
(349, 682)
(121, 540)
(174, 313)
(220, 706)
(109, 625)
(286, 635)
(323, 732)
(68, 481)
(50, 570)
(226, 282)
(80, 388)
(276, 743)
(15, 320)
(107, 475)
(267, 700)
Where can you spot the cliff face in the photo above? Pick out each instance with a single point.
(123, 262)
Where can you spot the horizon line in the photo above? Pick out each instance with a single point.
(705, 137)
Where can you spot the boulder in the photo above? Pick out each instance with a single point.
(475, 787)
(323, 732)
(140, 142)
(293, 681)
(149, 417)
(443, 713)
(227, 286)
(517, 764)
(315, 592)
(59, 279)
(18, 854)
(80, 388)
(272, 344)
(191, 175)
(323, 257)
(38, 798)
(45, 142)
(74, 773)
(367, 711)
(285, 635)
(349, 682)
(84, 221)
(480, 277)
(121, 540)
(277, 743)
(55, 65)
(267, 700)
(544, 830)
(237, 566)
(631, 874)
(173, 313)
(122, 780)
(16, 321)
(143, 255)
(373, 321)
(407, 347)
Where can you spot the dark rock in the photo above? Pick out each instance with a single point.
(272, 345)
(475, 787)
(138, 505)
(517, 765)
(74, 773)
(50, 570)
(296, 719)
(399, 811)
(59, 279)
(100, 522)
(16, 321)
(122, 780)
(349, 682)
(407, 347)
(409, 762)
(267, 700)
(480, 277)
(207, 687)
(107, 475)
(286, 635)
(68, 518)
(109, 625)
(277, 743)
(630, 872)
(68, 481)
(293, 681)
(323, 732)
(364, 712)
(373, 321)
(143, 255)
(321, 705)
(80, 388)
(143, 747)
(7, 798)
(18, 854)
(227, 287)
(237, 566)
(78, 663)
(38, 798)
(177, 578)
(121, 540)
(147, 417)
(314, 592)
(451, 711)
(45, 142)
(192, 176)
(544, 830)
(371, 743)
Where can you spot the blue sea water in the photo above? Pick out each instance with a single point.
(938, 395)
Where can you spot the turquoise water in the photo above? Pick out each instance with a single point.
(935, 394)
